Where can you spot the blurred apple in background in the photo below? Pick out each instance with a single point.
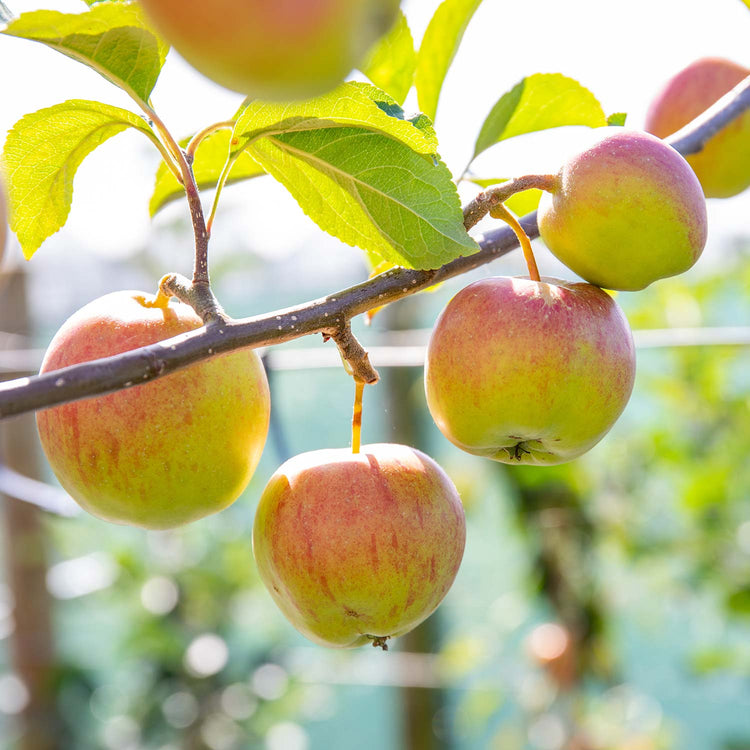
(552, 647)
(723, 165)
(279, 49)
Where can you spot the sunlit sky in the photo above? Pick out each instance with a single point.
(622, 52)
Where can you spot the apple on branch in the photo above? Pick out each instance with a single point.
(359, 547)
(625, 212)
(164, 453)
(529, 371)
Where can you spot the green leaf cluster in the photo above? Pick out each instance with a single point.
(358, 166)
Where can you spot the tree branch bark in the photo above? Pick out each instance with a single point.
(693, 137)
(318, 316)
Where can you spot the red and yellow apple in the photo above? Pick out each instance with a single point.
(273, 49)
(723, 165)
(358, 547)
(163, 453)
(531, 372)
(625, 212)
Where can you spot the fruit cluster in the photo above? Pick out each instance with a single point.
(538, 370)
(360, 546)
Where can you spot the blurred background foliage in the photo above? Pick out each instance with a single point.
(603, 604)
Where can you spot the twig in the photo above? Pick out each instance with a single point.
(355, 358)
(483, 203)
(319, 316)
(184, 163)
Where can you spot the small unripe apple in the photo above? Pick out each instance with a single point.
(625, 212)
(723, 164)
(532, 372)
(359, 547)
(163, 453)
(273, 49)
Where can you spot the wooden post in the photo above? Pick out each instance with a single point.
(32, 644)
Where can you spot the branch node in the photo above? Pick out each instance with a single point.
(355, 358)
(197, 294)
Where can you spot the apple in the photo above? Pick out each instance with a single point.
(358, 547)
(163, 453)
(625, 212)
(723, 165)
(273, 49)
(532, 372)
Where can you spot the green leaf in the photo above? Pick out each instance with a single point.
(372, 191)
(709, 660)
(113, 38)
(706, 485)
(738, 602)
(439, 46)
(355, 104)
(391, 63)
(524, 202)
(538, 102)
(210, 159)
(617, 119)
(42, 152)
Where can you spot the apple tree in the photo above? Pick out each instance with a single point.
(153, 406)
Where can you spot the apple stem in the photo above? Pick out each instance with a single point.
(359, 389)
(500, 212)
(161, 300)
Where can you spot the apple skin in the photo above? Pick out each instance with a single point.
(723, 165)
(532, 372)
(164, 453)
(358, 548)
(625, 212)
(273, 49)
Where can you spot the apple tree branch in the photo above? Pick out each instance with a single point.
(329, 315)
